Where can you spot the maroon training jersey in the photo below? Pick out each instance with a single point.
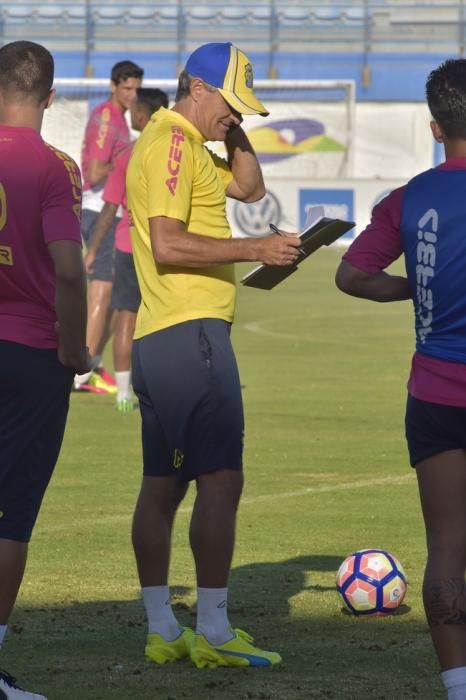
(40, 202)
(106, 135)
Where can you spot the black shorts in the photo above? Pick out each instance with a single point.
(125, 291)
(432, 428)
(34, 398)
(103, 263)
(187, 382)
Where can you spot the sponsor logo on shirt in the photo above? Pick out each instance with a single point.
(174, 159)
(425, 270)
(75, 179)
(6, 255)
(103, 128)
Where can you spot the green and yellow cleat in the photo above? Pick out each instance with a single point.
(238, 651)
(125, 405)
(159, 651)
(101, 385)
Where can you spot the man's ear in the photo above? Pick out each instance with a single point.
(196, 89)
(50, 98)
(436, 131)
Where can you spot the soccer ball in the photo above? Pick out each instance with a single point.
(371, 582)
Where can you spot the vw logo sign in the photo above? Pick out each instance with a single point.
(254, 219)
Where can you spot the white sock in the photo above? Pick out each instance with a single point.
(82, 378)
(123, 381)
(212, 617)
(454, 681)
(3, 629)
(160, 617)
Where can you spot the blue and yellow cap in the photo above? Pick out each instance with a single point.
(225, 67)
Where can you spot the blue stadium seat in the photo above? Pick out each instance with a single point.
(141, 14)
(354, 16)
(326, 15)
(18, 13)
(201, 14)
(261, 13)
(292, 27)
(234, 23)
(76, 14)
(18, 23)
(50, 13)
(234, 14)
(108, 15)
(294, 15)
(168, 13)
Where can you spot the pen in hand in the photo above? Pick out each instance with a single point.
(274, 229)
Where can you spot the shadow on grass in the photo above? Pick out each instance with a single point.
(279, 581)
(95, 650)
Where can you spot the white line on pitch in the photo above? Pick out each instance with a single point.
(256, 327)
(252, 500)
(309, 490)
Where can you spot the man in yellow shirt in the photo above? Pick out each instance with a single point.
(184, 368)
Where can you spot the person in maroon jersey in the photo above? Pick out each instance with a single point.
(106, 135)
(42, 310)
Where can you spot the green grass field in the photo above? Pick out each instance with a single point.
(326, 473)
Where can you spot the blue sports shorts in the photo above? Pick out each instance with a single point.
(125, 291)
(103, 263)
(34, 398)
(187, 382)
(432, 428)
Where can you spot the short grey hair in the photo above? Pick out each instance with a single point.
(184, 85)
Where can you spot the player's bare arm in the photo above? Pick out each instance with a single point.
(247, 184)
(379, 286)
(172, 244)
(70, 304)
(97, 171)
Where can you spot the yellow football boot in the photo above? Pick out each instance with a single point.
(159, 651)
(238, 651)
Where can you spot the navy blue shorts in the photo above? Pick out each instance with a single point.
(432, 428)
(34, 398)
(187, 382)
(125, 291)
(103, 263)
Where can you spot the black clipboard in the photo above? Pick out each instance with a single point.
(324, 231)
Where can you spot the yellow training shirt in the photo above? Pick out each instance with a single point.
(171, 173)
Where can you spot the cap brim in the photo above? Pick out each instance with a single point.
(244, 103)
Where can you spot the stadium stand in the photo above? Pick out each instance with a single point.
(386, 46)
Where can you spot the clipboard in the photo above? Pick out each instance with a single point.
(319, 230)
